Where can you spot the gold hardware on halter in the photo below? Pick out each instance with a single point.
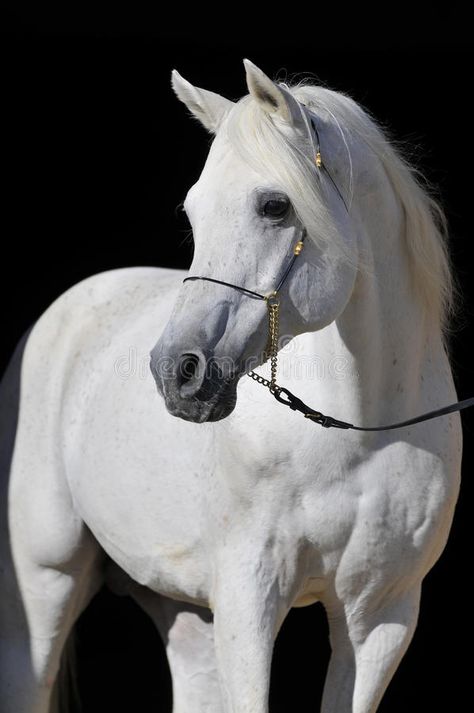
(272, 299)
(298, 247)
(319, 161)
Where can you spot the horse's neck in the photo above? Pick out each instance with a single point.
(385, 354)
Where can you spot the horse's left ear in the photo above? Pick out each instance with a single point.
(208, 107)
(273, 98)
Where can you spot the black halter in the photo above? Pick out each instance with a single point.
(289, 399)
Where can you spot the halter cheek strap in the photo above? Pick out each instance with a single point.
(310, 121)
(319, 163)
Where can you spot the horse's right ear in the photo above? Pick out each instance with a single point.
(208, 107)
(273, 98)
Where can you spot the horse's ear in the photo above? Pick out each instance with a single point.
(208, 107)
(273, 98)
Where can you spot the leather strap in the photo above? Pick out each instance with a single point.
(251, 293)
(297, 404)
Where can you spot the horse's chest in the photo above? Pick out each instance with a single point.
(162, 511)
(160, 547)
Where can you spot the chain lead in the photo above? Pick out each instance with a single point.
(271, 349)
(273, 325)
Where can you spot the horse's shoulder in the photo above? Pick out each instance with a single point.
(92, 313)
(125, 286)
(115, 293)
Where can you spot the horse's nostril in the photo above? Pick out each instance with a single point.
(188, 367)
(190, 373)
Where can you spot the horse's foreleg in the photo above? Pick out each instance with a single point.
(188, 634)
(55, 568)
(32, 643)
(248, 611)
(368, 641)
(49, 561)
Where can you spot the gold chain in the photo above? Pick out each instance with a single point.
(274, 327)
(271, 349)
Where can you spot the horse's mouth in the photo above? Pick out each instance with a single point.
(217, 407)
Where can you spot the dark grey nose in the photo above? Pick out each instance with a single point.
(190, 373)
(195, 386)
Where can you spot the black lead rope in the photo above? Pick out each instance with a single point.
(329, 422)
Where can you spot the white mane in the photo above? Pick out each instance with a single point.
(259, 140)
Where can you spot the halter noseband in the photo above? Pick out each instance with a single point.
(256, 295)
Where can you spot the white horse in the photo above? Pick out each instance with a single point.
(241, 507)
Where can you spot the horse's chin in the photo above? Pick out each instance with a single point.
(216, 409)
(222, 409)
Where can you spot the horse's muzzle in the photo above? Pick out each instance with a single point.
(195, 386)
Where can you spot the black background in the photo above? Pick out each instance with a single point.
(97, 153)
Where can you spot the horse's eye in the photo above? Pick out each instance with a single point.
(276, 207)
